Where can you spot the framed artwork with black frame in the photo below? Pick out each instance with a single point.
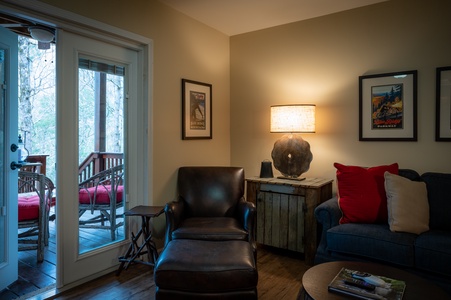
(443, 105)
(196, 110)
(388, 107)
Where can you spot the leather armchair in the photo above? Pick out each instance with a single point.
(211, 206)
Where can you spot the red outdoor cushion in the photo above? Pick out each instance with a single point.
(102, 194)
(28, 206)
(361, 193)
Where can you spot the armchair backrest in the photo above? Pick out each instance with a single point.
(210, 191)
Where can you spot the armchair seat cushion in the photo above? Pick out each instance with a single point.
(28, 206)
(102, 194)
(219, 229)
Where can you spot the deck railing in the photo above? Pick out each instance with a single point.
(97, 162)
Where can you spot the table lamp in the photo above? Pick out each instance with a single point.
(291, 153)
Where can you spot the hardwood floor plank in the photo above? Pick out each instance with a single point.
(7, 295)
(22, 287)
(35, 276)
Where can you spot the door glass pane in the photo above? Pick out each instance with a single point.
(2, 158)
(101, 152)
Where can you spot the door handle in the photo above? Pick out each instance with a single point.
(14, 165)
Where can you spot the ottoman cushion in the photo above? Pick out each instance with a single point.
(206, 266)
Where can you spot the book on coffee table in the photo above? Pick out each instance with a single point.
(345, 283)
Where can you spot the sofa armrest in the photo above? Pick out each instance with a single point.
(328, 215)
(247, 214)
(174, 214)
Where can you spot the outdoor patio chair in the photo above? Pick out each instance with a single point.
(35, 194)
(101, 195)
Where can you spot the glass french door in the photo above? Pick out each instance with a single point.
(8, 177)
(85, 64)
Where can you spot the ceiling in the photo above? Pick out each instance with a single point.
(233, 17)
(17, 25)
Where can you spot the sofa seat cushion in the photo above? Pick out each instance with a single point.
(374, 241)
(206, 267)
(433, 252)
(216, 229)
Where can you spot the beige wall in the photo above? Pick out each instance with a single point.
(319, 61)
(183, 48)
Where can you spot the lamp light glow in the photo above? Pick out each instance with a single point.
(293, 118)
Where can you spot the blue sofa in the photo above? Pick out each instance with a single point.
(427, 254)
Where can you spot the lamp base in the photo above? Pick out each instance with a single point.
(291, 155)
(291, 178)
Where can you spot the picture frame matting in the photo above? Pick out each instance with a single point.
(196, 110)
(388, 107)
(443, 105)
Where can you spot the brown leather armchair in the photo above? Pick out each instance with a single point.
(211, 206)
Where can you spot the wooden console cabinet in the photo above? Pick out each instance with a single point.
(285, 208)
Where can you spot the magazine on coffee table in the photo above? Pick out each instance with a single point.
(347, 284)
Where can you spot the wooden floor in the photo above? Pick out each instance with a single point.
(280, 273)
(279, 277)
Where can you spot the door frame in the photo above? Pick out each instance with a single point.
(59, 18)
(9, 267)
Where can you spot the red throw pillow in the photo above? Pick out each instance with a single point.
(361, 193)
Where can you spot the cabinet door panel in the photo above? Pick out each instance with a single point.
(280, 220)
(284, 215)
(274, 222)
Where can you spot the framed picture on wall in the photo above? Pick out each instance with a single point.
(443, 105)
(388, 107)
(196, 110)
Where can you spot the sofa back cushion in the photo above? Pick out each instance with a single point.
(410, 174)
(439, 196)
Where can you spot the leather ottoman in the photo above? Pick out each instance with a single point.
(197, 269)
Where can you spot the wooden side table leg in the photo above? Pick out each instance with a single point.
(130, 255)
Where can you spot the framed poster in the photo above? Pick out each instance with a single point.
(196, 110)
(443, 105)
(388, 107)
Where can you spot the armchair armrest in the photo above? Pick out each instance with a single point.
(328, 215)
(247, 215)
(174, 213)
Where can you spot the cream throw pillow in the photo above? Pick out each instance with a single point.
(407, 204)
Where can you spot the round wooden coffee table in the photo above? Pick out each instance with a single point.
(317, 278)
